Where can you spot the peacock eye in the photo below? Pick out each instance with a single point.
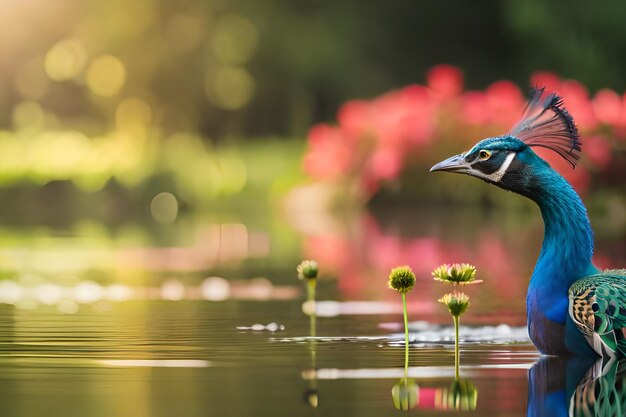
(483, 155)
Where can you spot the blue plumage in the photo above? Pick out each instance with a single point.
(558, 300)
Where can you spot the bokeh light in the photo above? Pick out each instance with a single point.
(164, 208)
(234, 39)
(172, 290)
(87, 292)
(215, 289)
(65, 60)
(28, 114)
(106, 75)
(229, 87)
(132, 111)
(133, 116)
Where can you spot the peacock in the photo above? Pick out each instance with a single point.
(572, 307)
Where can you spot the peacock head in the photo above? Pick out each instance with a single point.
(508, 161)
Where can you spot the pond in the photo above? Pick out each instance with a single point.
(205, 317)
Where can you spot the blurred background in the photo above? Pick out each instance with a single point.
(198, 138)
(165, 165)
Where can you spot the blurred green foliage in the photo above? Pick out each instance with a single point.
(265, 67)
(152, 96)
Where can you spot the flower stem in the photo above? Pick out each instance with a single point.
(457, 355)
(406, 338)
(311, 284)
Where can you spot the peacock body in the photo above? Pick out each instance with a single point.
(572, 307)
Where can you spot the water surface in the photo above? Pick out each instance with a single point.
(206, 319)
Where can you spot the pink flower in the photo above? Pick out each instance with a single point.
(418, 118)
(329, 155)
(376, 139)
(607, 105)
(549, 80)
(355, 118)
(385, 164)
(577, 102)
(475, 108)
(445, 81)
(598, 150)
(505, 103)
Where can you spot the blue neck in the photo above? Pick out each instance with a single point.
(567, 245)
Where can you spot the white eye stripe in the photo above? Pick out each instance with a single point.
(497, 175)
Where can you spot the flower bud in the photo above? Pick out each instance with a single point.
(457, 303)
(401, 279)
(307, 270)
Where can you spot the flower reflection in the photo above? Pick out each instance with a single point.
(362, 250)
(405, 394)
(461, 395)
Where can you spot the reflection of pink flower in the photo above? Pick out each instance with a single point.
(361, 255)
(330, 251)
(495, 258)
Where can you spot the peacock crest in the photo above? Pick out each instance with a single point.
(546, 123)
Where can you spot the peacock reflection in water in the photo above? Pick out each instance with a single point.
(577, 387)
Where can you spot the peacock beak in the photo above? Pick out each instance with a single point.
(455, 163)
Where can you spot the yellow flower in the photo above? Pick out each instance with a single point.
(457, 303)
(463, 274)
(307, 269)
(401, 279)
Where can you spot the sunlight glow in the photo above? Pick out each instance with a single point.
(65, 60)
(172, 290)
(106, 75)
(215, 289)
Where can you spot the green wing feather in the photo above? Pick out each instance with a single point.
(598, 307)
